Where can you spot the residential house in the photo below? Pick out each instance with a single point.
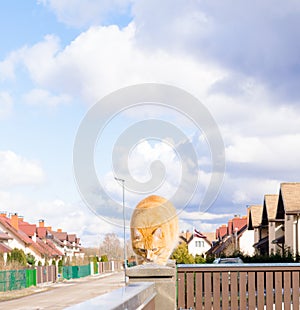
(69, 244)
(17, 237)
(287, 216)
(274, 228)
(261, 241)
(40, 241)
(198, 243)
(233, 237)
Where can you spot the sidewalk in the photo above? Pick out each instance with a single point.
(15, 294)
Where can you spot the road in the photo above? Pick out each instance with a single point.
(62, 295)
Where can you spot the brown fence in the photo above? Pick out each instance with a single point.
(46, 274)
(242, 286)
(109, 266)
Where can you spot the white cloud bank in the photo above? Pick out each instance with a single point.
(17, 170)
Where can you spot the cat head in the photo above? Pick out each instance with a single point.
(148, 243)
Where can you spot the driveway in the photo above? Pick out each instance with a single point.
(62, 295)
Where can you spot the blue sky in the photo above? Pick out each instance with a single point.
(58, 58)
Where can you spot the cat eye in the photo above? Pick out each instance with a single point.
(154, 249)
(143, 250)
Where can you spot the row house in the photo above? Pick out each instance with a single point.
(37, 241)
(68, 243)
(233, 237)
(276, 223)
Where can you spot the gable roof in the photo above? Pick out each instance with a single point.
(238, 223)
(222, 231)
(270, 205)
(18, 233)
(254, 216)
(62, 236)
(290, 193)
(71, 237)
(28, 229)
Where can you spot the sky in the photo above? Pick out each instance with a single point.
(59, 59)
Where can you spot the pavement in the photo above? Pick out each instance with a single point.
(61, 294)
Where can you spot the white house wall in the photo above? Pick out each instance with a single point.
(246, 242)
(194, 250)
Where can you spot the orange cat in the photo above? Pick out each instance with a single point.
(154, 229)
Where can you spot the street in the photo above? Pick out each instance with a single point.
(62, 295)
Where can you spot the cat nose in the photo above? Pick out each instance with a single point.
(148, 255)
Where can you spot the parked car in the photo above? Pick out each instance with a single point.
(228, 260)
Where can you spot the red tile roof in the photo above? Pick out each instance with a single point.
(72, 238)
(4, 248)
(238, 223)
(41, 232)
(28, 229)
(62, 236)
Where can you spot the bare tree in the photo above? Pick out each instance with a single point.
(111, 246)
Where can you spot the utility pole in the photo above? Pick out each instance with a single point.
(124, 227)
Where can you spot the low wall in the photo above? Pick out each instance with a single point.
(134, 296)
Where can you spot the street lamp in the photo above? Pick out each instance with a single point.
(124, 232)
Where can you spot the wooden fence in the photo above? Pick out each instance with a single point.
(46, 274)
(238, 286)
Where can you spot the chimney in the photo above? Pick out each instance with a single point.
(21, 218)
(41, 223)
(3, 213)
(59, 230)
(14, 220)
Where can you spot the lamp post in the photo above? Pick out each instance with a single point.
(124, 232)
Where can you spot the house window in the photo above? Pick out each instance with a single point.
(199, 244)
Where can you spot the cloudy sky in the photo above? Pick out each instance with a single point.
(58, 58)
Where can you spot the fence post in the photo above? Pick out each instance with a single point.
(164, 278)
(92, 268)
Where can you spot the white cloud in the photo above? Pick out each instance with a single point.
(17, 170)
(103, 59)
(278, 153)
(202, 216)
(44, 97)
(6, 104)
(80, 13)
(72, 218)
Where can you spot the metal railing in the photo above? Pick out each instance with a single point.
(238, 286)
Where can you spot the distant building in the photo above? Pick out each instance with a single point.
(233, 237)
(41, 242)
(199, 243)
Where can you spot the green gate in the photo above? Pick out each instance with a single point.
(12, 280)
(30, 277)
(67, 272)
(84, 271)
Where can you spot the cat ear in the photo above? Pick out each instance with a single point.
(157, 233)
(136, 234)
